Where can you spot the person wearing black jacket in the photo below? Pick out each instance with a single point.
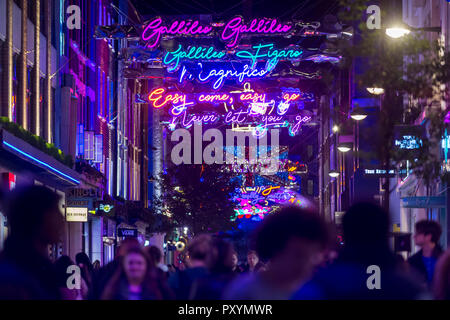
(423, 262)
(366, 252)
(26, 272)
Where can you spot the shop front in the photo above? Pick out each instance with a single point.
(22, 164)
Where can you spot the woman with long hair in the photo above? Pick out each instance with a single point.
(136, 278)
(61, 266)
(87, 269)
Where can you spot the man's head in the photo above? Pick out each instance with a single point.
(199, 248)
(34, 215)
(292, 241)
(155, 254)
(252, 258)
(365, 224)
(427, 232)
(235, 259)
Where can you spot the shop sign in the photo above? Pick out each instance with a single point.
(125, 232)
(424, 202)
(81, 193)
(76, 214)
(106, 208)
(77, 203)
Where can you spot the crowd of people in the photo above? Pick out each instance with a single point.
(293, 256)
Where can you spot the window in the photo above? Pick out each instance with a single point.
(310, 187)
(15, 87)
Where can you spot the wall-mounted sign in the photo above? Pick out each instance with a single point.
(424, 202)
(125, 232)
(408, 140)
(106, 208)
(76, 214)
(81, 193)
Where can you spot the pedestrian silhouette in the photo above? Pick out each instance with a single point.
(426, 236)
(292, 241)
(35, 222)
(366, 251)
(134, 279)
(181, 281)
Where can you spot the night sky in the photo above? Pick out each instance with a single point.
(306, 10)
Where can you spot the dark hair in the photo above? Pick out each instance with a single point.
(86, 272)
(27, 207)
(429, 227)
(278, 229)
(252, 252)
(155, 254)
(83, 258)
(365, 223)
(199, 247)
(61, 266)
(219, 260)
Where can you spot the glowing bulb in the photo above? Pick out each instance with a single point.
(397, 32)
(376, 91)
(333, 174)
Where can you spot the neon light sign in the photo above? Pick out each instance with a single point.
(273, 55)
(156, 95)
(194, 53)
(232, 31)
(235, 27)
(226, 72)
(159, 98)
(262, 52)
(154, 31)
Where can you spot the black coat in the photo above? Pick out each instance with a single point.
(25, 274)
(418, 266)
(346, 278)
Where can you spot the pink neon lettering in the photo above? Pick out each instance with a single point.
(154, 31)
(234, 32)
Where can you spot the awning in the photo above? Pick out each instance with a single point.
(24, 157)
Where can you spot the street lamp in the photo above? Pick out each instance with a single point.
(375, 90)
(344, 147)
(398, 31)
(333, 173)
(358, 114)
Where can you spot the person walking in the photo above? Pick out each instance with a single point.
(253, 262)
(441, 280)
(35, 222)
(426, 236)
(220, 267)
(236, 268)
(181, 281)
(62, 266)
(292, 241)
(105, 273)
(366, 268)
(87, 269)
(134, 279)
